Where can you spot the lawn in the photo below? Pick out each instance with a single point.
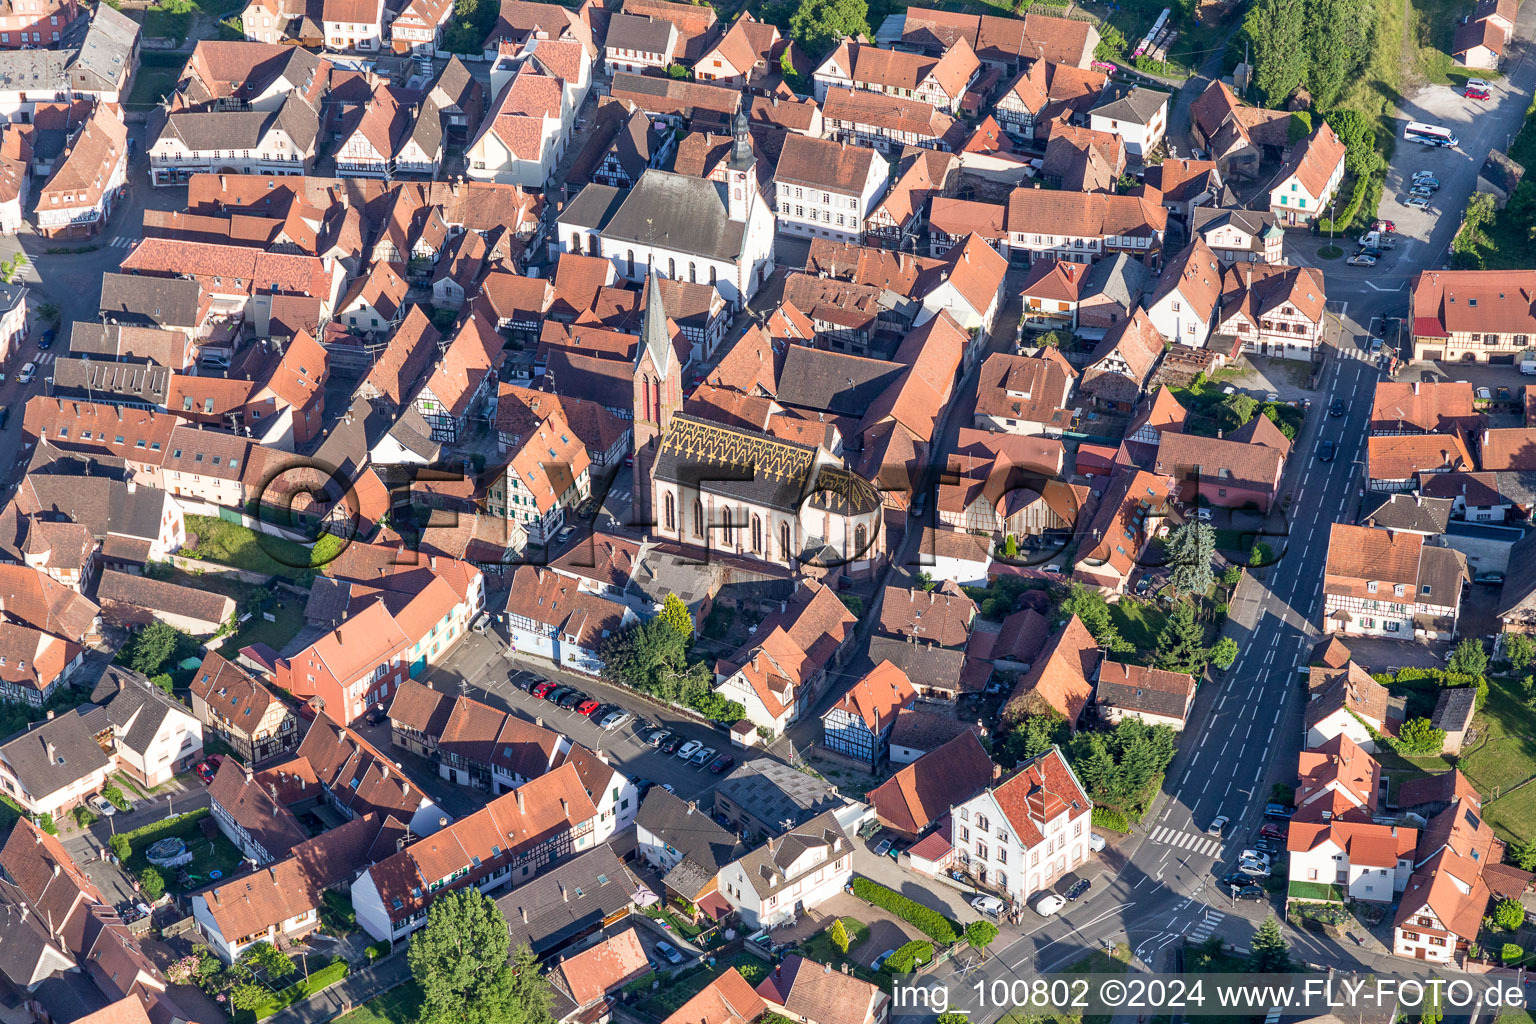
(677, 922)
(150, 83)
(1140, 622)
(1316, 891)
(208, 855)
(666, 1000)
(1505, 755)
(400, 1005)
(289, 613)
(1101, 962)
(820, 949)
(240, 547)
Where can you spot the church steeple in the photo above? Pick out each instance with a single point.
(739, 170)
(658, 372)
(742, 157)
(654, 337)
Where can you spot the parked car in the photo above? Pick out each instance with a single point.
(1269, 846)
(1370, 250)
(1417, 203)
(1077, 889)
(1421, 174)
(1217, 826)
(1049, 904)
(46, 341)
(102, 806)
(722, 764)
(614, 719)
(1254, 869)
(1203, 515)
(1428, 181)
(1489, 579)
(659, 737)
(1501, 393)
(669, 952)
(702, 757)
(554, 693)
(1251, 854)
(27, 373)
(1232, 878)
(1384, 225)
(586, 707)
(687, 750)
(1278, 810)
(1095, 842)
(526, 683)
(1477, 89)
(1485, 394)
(988, 905)
(204, 773)
(1272, 830)
(5, 411)
(643, 786)
(1327, 450)
(542, 689)
(879, 961)
(882, 847)
(572, 699)
(1249, 891)
(1361, 260)
(376, 715)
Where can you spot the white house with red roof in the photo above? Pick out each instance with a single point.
(1024, 833)
(1307, 182)
(539, 85)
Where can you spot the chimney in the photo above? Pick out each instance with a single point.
(273, 872)
(53, 752)
(1415, 387)
(693, 805)
(523, 911)
(519, 793)
(338, 634)
(997, 771)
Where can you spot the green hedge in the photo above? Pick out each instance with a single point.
(324, 978)
(1364, 186)
(154, 828)
(930, 922)
(1114, 821)
(909, 957)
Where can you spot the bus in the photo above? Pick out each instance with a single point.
(1430, 134)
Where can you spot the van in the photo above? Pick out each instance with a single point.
(1528, 362)
(481, 623)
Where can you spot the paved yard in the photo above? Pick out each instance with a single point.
(1390, 655)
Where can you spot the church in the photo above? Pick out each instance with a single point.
(682, 227)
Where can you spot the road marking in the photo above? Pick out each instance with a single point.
(1213, 918)
(1204, 846)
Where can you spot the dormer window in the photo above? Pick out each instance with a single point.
(1370, 588)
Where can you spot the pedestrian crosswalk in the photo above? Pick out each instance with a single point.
(121, 242)
(1203, 930)
(1354, 352)
(1205, 846)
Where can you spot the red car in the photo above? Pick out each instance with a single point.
(1386, 225)
(543, 688)
(1272, 831)
(204, 772)
(586, 707)
(1477, 89)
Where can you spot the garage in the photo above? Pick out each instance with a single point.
(1431, 355)
(1502, 359)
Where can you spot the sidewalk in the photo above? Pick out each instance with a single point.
(347, 995)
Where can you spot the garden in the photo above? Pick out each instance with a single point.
(672, 992)
(211, 855)
(400, 1005)
(240, 547)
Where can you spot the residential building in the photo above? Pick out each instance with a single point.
(1427, 407)
(241, 712)
(806, 991)
(1111, 542)
(858, 726)
(549, 615)
(1238, 138)
(1309, 179)
(1024, 832)
(1222, 472)
(1150, 695)
(749, 55)
(636, 43)
(356, 779)
(825, 188)
(281, 902)
(419, 27)
(129, 601)
(920, 794)
(1083, 226)
(55, 765)
(153, 736)
(1239, 236)
(393, 135)
(250, 817)
(353, 25)
(940, 82)
(888, 123)
(34, 664)
(1403, 462)
(1274, 309)
(1347, 701)
(1138, 115)
(601, 971)
(538, 88)
(280, 141)
(763, 797)
(779, 880)
(1357, 860)
(1122, 363)
(1061, 676)
(89, 176)
(562, 907)
(1482, 37)
(1002, 41)
(1185, 303)
(682, 842)
(1441, 911)
(1380, 583)
(24, 26)
(697, 26)
(1477, 315)
(506, 842)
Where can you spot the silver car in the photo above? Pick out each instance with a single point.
(614, 719)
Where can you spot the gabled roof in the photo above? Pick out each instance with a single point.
(1062, 675)
(726, 1000)
(1038, 791)
(1440, 407)
(807, 990)
(1148, 690)
(1314, 160)
(705, 847)
(599, 970)
(922, 792)
(877, 696)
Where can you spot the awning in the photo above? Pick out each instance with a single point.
(715, 906)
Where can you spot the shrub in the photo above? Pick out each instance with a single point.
(45, 822)
(839, 936)
(114, 796)
(152, 883)
(1114, 821)
(1511, 952)
(121, 848)
(909, 957)
(377, 951)
(84, 817)
(1508, 914)
(1418, 736)
(930, 922)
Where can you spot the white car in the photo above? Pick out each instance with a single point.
(1096, 841)
(1217, 826)
(1254, 868)
(1361, 260)
(27, 373)
(102, 806)
(688, 749)
(988, 905)
(1255, 855)
(1415, 203)
(1049, 904)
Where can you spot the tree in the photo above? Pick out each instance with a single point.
(1037, 727)
(1269, 953)
(49, 313)
(1181, 644)
(675, 614)
(267, 957)
(152, 884)
(247, 995)
(789, 72)
(1519, 650)
(1511, 952)
(1232, 576)
(676, 71)
(1224, 653)
(644, 655)
(1191, 547)
(979, 934)
(1470, 242)
(121, 848)
(1237, 409)
(1260, 556)
(1469, 658)
(1275, 29)
(1508, 914)
(1338, 41)
(839, 935)
(1523, 853)
(152, 647)
(1418, 736)
(460, 960)
(1357, 133)
(1091, 609)
(821, 24)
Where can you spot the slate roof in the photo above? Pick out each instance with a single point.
(705, 846)
(1407, 512)
(774, 792)
(75, 754)
(131, 299)
(678, 213)
(571, 898)
(767, 867)
(163, 596)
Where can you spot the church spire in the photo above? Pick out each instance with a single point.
(742, 156)
(654, 336)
